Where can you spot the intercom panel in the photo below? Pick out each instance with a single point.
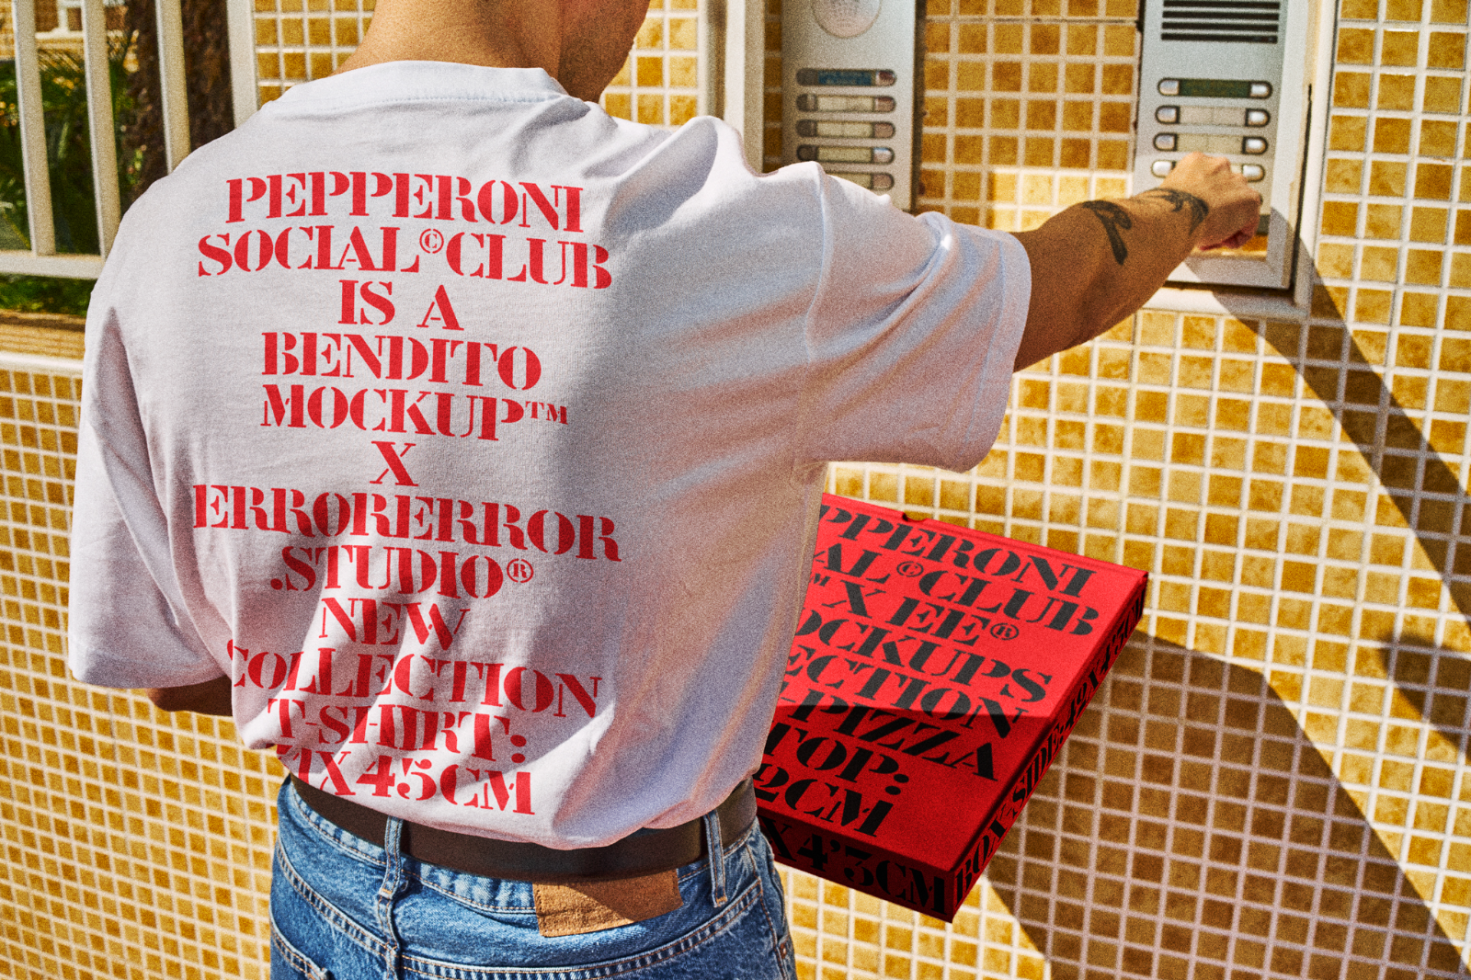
(1228, 78)
(850, 72)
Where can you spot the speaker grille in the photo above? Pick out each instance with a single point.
(1232, 21)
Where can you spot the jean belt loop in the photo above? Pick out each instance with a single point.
(716, 852)
(393, 880)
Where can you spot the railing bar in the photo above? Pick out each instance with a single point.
(99, 114)
(240, 20)
(42, 363)
(33, 129)
(705, 31)
(171, 78)
(19, 263)
(745, 92)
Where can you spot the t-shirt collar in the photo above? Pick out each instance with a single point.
(413, 81)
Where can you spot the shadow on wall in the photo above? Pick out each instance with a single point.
(1436, 685)
(1425, 490)
(1191, 829)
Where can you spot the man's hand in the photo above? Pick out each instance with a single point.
(1231, 205)
(209, 698)
(1099, 261)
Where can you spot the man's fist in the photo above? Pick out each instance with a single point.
(1232, 206)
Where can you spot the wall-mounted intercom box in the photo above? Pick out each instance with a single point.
(850, 80)
(1229, 78)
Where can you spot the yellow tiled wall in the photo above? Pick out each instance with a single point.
(298, 40)
(1273, 784)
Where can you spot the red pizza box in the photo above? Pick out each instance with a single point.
(935, 673)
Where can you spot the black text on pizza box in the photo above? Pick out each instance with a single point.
(935, 673)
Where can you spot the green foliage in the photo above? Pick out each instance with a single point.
(45, 294)
(69, 162)
(68, 149)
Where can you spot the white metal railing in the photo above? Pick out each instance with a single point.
(41, 259)
(243, 82)
(731, 42)
(744, 63)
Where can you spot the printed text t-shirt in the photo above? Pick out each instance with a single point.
(477, 437)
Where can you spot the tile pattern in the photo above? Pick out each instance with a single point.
(299, 40)
(1028, 107)
(660, 83)
(1296, 490)
(1190, 829)
(1275, 782)
(135, 844)
(1192, 447)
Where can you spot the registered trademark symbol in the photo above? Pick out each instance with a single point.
(910, 569)
(431, 241)
(519, 570)
(1004, 631)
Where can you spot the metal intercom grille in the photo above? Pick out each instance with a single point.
(1238, 21)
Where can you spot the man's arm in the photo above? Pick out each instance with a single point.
(209, 698)
(1099, 261)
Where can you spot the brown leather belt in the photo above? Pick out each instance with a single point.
(638, 854)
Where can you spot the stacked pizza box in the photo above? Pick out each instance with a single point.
(935, 674)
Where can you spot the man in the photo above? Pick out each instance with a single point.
(464, 445)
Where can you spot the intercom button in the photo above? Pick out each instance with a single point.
(1258, 117)
(1253, 144)
(845, 103)
(1162, 168)
(1165, 141)
(1253, 172)
(846, 154)
(1168, 114)
(1261, 90)
(1169, 86)
(839, 129)
(874, 182)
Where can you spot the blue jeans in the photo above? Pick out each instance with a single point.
(345, 909)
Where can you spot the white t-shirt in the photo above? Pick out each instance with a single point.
(478, 436)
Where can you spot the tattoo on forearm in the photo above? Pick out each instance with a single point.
(1198, 208)
(1113, 218)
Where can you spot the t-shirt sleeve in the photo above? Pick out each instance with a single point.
(128, 625)
(912, 335)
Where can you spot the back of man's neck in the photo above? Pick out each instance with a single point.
(492, 35)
